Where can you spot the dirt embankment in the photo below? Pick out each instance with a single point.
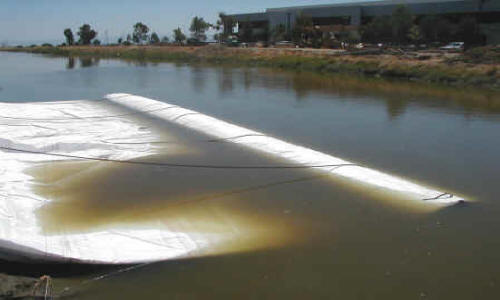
(24, 288)
(478, 67)
(15, 287)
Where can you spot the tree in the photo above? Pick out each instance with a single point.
(394, 29)
(165, 39)
(402, 21)
(225, 25)
(154, 38)
(128, 40)
(96, 42)
(120, 41)
(468, 32)
(265, 34)
(434, 28)
(304, 32)
(278, 33)
(353, 36)
(414, 34)
(378, 30)
(444, 30)
(428, 28)
(86, 34)
(303, 29)
(198, 28)
(70, 39)
(218, 37)
(179, 36)
(140, 33)
(245, 32)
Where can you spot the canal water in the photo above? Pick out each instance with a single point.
(294, 234)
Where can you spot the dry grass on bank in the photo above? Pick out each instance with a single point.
(477, 67)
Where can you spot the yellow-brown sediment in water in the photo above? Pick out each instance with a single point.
(93, 196)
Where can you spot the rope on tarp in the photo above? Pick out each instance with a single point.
(217, 140)
(43, 288)
(177, 165)
(440, 197)
(199, 166)
(90, 117)
(105, 276)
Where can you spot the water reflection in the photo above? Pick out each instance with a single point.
(396, 95)
(71, 63)
(85, 62)
(198, 78)
(226, 80)
(141, 63)
(395, 107)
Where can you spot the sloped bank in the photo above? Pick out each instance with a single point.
(16, 287)
(420, 68)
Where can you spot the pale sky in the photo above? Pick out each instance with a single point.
(37, 21)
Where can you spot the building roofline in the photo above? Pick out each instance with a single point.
(362, 3)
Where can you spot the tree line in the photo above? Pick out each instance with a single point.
(142, 34)
(402, 27)
(86, 35)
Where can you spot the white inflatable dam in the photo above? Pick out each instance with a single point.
(298, 155)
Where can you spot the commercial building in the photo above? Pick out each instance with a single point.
(355, 14)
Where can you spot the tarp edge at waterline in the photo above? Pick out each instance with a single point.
(296, 154)
(71, 128)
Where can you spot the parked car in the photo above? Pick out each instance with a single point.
(359, 46)
(232, 41)
(195, 42)
(454, 46)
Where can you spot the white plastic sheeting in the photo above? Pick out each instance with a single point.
(82, 128)
(293, 153)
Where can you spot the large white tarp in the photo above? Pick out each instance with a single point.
(76, 128)
(91, 129)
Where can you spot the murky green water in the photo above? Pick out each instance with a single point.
(294, 234)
